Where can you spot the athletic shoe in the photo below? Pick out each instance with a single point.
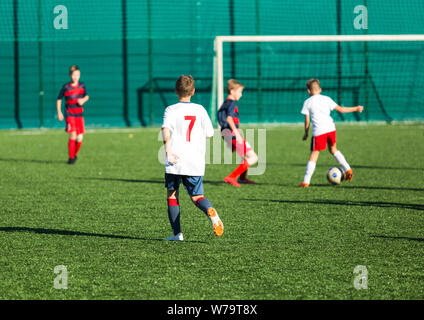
(232, 181)
(218, 227)
(304, 185)
(245, 181)
(349, 175)
(178, 237)
(71, 161)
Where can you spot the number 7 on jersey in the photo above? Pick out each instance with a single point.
(190, 126)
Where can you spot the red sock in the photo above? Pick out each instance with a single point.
(240, 169)
(71, 148)
(77, 146)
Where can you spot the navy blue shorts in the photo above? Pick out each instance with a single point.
(192, 184)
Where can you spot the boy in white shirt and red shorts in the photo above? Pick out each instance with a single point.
(185, 155)
(317, 110)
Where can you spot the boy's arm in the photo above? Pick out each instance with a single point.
(59, 109)
(171, 157)
(208, 125)
(234, 129)
(348, 110)
(307, 124)
(81, 101)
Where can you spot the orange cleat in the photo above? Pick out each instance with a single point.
(232, 181)
(349, 175)
(217, 226)
(304, 185)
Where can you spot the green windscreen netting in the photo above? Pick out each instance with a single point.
(130, 53)
(383, 76)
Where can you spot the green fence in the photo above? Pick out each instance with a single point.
(130, 53)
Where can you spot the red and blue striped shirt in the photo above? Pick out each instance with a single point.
(72, 94)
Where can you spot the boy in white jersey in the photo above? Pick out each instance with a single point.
(185, 155)
(317, 110)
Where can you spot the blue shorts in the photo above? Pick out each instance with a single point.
(192, 184)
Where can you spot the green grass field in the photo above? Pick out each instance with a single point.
(106, 217)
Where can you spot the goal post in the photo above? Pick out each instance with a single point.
(413, 54)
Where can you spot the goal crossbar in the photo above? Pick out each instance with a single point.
(219, 40)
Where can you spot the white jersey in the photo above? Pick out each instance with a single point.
(319, 107)
(190, 126)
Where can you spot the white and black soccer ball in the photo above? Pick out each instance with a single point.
(335, 175)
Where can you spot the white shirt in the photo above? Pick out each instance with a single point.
(319, 107)
(190, 126)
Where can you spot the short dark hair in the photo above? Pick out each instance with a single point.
(311, 82)
(73, 68)
(184, 86)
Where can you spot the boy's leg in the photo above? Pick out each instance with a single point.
(172, 183)
(71, 146)
(310, 168)
(342, 161)
(78, 143)
(318, 143)
(250, 158)
(202, 203)
(174, 211)
(80, 128)
(339, 156)
(194, 187)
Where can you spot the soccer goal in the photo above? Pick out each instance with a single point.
(384, 73)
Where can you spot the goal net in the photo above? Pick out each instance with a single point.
(385, 73)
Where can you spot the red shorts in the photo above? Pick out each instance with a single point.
(241, 148)
(319, 143)
(75, 124)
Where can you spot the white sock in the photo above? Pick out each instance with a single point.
(341, 159)
(309, 171)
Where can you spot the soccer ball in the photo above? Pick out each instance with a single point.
(335, 175)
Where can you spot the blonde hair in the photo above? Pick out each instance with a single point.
(313, 84)
(72, 69)
(184, 86)
(233, 84)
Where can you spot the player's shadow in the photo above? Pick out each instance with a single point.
(369, 187)
(397, 238)
(33, 160)
(122, 180)
(77, 233)
(413, 206)
(363, 167)
(160, 181)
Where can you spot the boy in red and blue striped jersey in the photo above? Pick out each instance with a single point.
(228, 118)
(75, 96)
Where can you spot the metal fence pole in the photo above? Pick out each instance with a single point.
(16, 62)
(40, 65)
(125, 63)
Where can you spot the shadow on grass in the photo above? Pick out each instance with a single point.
(397, 238)
(217, 183)
(363, 167)
(76, 233)
(368, 187)
(380, 204)
(33, 160)
(160, 181)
